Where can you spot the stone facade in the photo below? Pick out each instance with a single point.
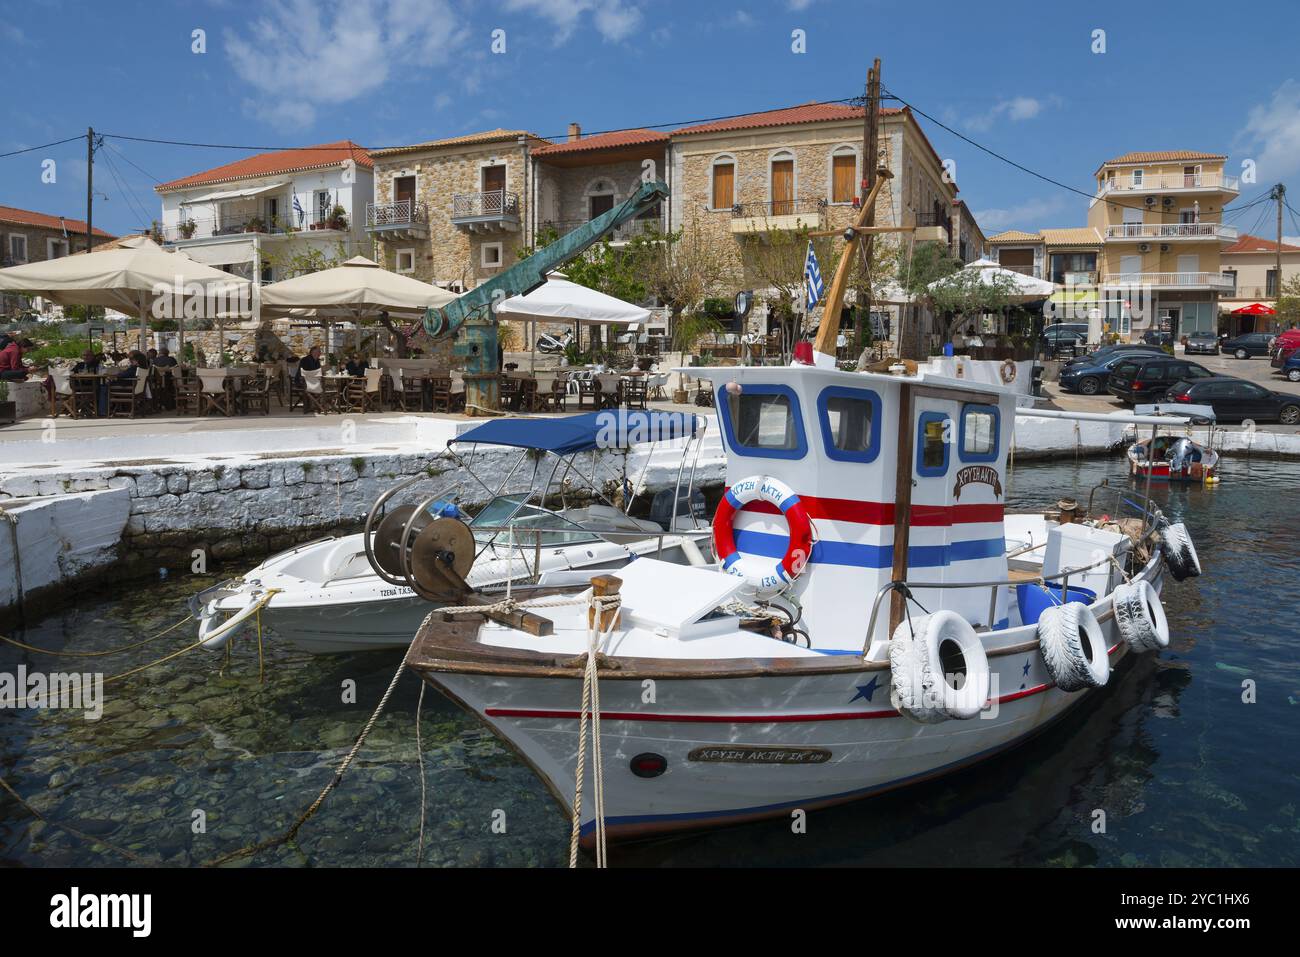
(37, 243)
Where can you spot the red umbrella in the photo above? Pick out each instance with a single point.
(1255, 309)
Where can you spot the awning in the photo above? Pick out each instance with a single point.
(583, 433)
(233, 194)
(1255, 309)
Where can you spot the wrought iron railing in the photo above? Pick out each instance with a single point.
(405, 212)
(496, 202)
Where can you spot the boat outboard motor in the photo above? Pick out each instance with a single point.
(691, 508)
(1181, 453)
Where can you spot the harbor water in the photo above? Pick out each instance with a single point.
(1187, 758)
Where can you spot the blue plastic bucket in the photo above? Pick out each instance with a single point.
(1033, 600)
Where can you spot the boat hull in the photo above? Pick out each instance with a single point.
(746, 748)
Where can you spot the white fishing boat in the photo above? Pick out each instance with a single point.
(878, 617)
(348, 593)
(1172, 457)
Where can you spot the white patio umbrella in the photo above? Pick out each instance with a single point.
(1027, 287)
(559, 300)
(127, 278)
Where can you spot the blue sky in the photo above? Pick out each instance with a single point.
(1022, 79)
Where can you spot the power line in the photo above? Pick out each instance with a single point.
(33, 149)
(124, 190)
(129, 160)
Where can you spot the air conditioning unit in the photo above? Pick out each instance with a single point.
(1164, 247)
(1151, 200)
(1144, 247)
(1167, 201)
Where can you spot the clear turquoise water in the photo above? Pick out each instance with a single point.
(1185, 771)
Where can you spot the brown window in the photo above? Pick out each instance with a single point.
(844, 169)
(494, 179)
(724, 185)
(782, 187)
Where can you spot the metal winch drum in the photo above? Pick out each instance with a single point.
(438, 553)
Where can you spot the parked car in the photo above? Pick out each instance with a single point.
(1105, 352)
(1147, 379)
(1065, 337)
(1235, 400)
(1250, 344)
(1202, 343)
(1157, 338)
(1089, 374)
(1291, 367)
(1285, 346)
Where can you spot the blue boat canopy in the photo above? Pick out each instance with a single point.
(620, 429)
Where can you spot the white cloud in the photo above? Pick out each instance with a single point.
(1027, 215)
(1272, 131)
(800, 4)
(300, 55)
(1016, 109)
(615, 20)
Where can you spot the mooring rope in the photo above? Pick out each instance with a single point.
(591, 713)
(134, 858)
(93, 654)
(419, 756)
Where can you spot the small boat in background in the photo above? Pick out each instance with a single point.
(1172, 458)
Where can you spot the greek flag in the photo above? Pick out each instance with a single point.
(812, 274)
(297, 208)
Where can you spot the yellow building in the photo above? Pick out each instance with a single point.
(1150, 255)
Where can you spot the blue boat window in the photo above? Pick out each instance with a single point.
(850, 423)
(763, 421)
(932, 440)
(979, 433)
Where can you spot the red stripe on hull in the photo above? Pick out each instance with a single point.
(882, 513)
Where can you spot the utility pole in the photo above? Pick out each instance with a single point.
(90, 185)
(870, 147)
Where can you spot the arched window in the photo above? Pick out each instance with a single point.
(781, 182)
(722, 182)
(600, 198)
(843, 176)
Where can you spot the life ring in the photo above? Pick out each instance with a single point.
(766, 580)
(1073, 647)
(1008, 372)
(1180, 553)
(1138, 615)
(919, 651)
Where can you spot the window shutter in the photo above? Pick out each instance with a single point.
(724, 184)
(843, 180)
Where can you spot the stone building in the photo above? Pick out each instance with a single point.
(29, 236)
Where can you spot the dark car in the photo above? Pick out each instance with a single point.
(1065, 338)
(1157, 338)
(1144, 379)
(1202, 343)
(1291, 367)
(1235, 400)
(1251, 344)
(1106, 352)
(1089, 374)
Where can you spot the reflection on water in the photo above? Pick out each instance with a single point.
(1185, 771)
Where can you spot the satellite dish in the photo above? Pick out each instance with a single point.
(744, 303)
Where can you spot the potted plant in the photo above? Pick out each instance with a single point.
(255, 225)
(338, 218)
(188, 228)
(8, 408)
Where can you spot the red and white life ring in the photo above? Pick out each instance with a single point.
(766, 580)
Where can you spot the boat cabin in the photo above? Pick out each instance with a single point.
(903, 478)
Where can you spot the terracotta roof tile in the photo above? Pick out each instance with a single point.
(1015, 236)
(1164, 156)
(272, 164)
(804, 113)
(25, 217)
(1255, 244)
(618, 139)
(1072, 236)
(469, 139)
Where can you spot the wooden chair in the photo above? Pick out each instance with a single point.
(588, 393)
(256, 394)
(189, 395)
(62, 398)
(127, 396)
(610, 387)
(86, 390)
(411, 392)
(559, 393)
(440, 394)
(635, 392)
(215, 392)
(316, 397)
(528, 394)
(510, 393)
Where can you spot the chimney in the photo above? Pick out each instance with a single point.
(575, 132)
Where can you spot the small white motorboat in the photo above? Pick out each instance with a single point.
(336, 595)
(878, 618)
(1172, 458)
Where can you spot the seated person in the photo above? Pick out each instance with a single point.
(165, 359)
(137, 364)
(310, 362)
(90, 362)
(355, 366)
(11, 362)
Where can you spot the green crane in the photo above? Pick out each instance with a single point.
(476, 310)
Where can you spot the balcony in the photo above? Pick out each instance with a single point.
(1171, 183)
(1212, 281)
(1167, 231)
(197, 228)
(783, 214)
(405, 219)
(492, 211)
(623, 233)
(1023, 270)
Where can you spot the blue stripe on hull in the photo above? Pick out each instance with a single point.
(861, 555)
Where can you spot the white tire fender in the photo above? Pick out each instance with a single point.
(1073, 647)
(920, 651)
(1180, 553)
(1139, 616)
